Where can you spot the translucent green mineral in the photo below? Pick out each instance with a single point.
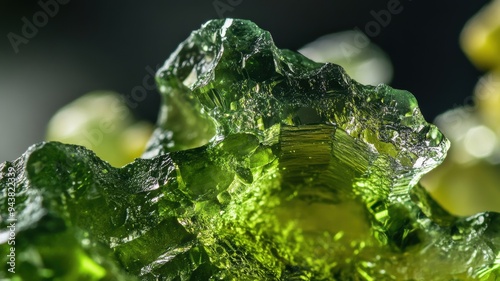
(264, 166)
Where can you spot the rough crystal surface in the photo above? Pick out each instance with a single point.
(264, 166)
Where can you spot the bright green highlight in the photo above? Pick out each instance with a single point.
(264, 166)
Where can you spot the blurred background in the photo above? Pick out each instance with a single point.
(113, 45)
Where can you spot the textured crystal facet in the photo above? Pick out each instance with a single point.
(265, 166)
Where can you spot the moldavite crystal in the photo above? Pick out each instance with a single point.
(264, 166)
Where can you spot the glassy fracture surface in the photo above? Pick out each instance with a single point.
(264, 166)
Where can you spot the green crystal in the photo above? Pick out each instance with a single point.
(264, 166)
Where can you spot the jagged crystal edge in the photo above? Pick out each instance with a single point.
(224, 208)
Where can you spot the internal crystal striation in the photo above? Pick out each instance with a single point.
(264, 166)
